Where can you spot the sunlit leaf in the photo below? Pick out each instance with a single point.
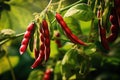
(91, 49)
(54, 50)
(4, 65)
(6, 33)
(80, 11)
(57, 71)
(85, 27)
(73, 24)
(70, 62)
(36, 74)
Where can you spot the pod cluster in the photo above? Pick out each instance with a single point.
(42, 49)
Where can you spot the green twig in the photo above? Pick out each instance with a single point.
(45, 10)
(67, 7)
(11, 68)
(59, 5)
(13, 37)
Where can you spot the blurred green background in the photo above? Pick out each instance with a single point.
(16, 15)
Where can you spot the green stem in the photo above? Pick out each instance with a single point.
(92, 23)
(13, 37)
(67, 7)
(95, 7)
(45, 10)
(11, 68)
(59, 5)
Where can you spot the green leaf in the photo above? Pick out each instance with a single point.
(31, 43)
(2, 52)
(20, 14)
(80, 11)
(91, 49)
(53, 49)
(57, 71)
(73, 24)
(70, 62)
(4, 65)
(6, 33)
(36, 75)
(85, 27)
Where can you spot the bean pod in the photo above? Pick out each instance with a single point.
(47, 74)
(67, 31)
(41, 55)
(104, 41)
(26, 38)
(114, 26)
(47, 39)
(58, 42)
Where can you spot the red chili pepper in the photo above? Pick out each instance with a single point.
(104, 41)
(26, 38)
(67, 31)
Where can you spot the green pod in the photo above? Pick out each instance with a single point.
(31, 43)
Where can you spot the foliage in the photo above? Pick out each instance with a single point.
(69, 62)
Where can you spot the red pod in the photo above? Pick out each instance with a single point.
(112, 19)
(59, 17)
(45, 28)
(27, 34)
(47, 42)
(104, 41)
(67, 31)
(98, 14)
(46, 39)
(36, 52)
(117, 3)
(58, 42)
(25, 41)
(114, 28)
(47, 53)
(41, 56)
(39, 60)
(45, 25)
(112, 37)
(31, 26)
(22, 49)
(47, 74)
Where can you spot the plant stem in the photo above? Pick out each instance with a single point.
(11, 68)
(95, 7)
(59, 5)
(13, 37)
(92, 24)
(67, 7)
(45, 10)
